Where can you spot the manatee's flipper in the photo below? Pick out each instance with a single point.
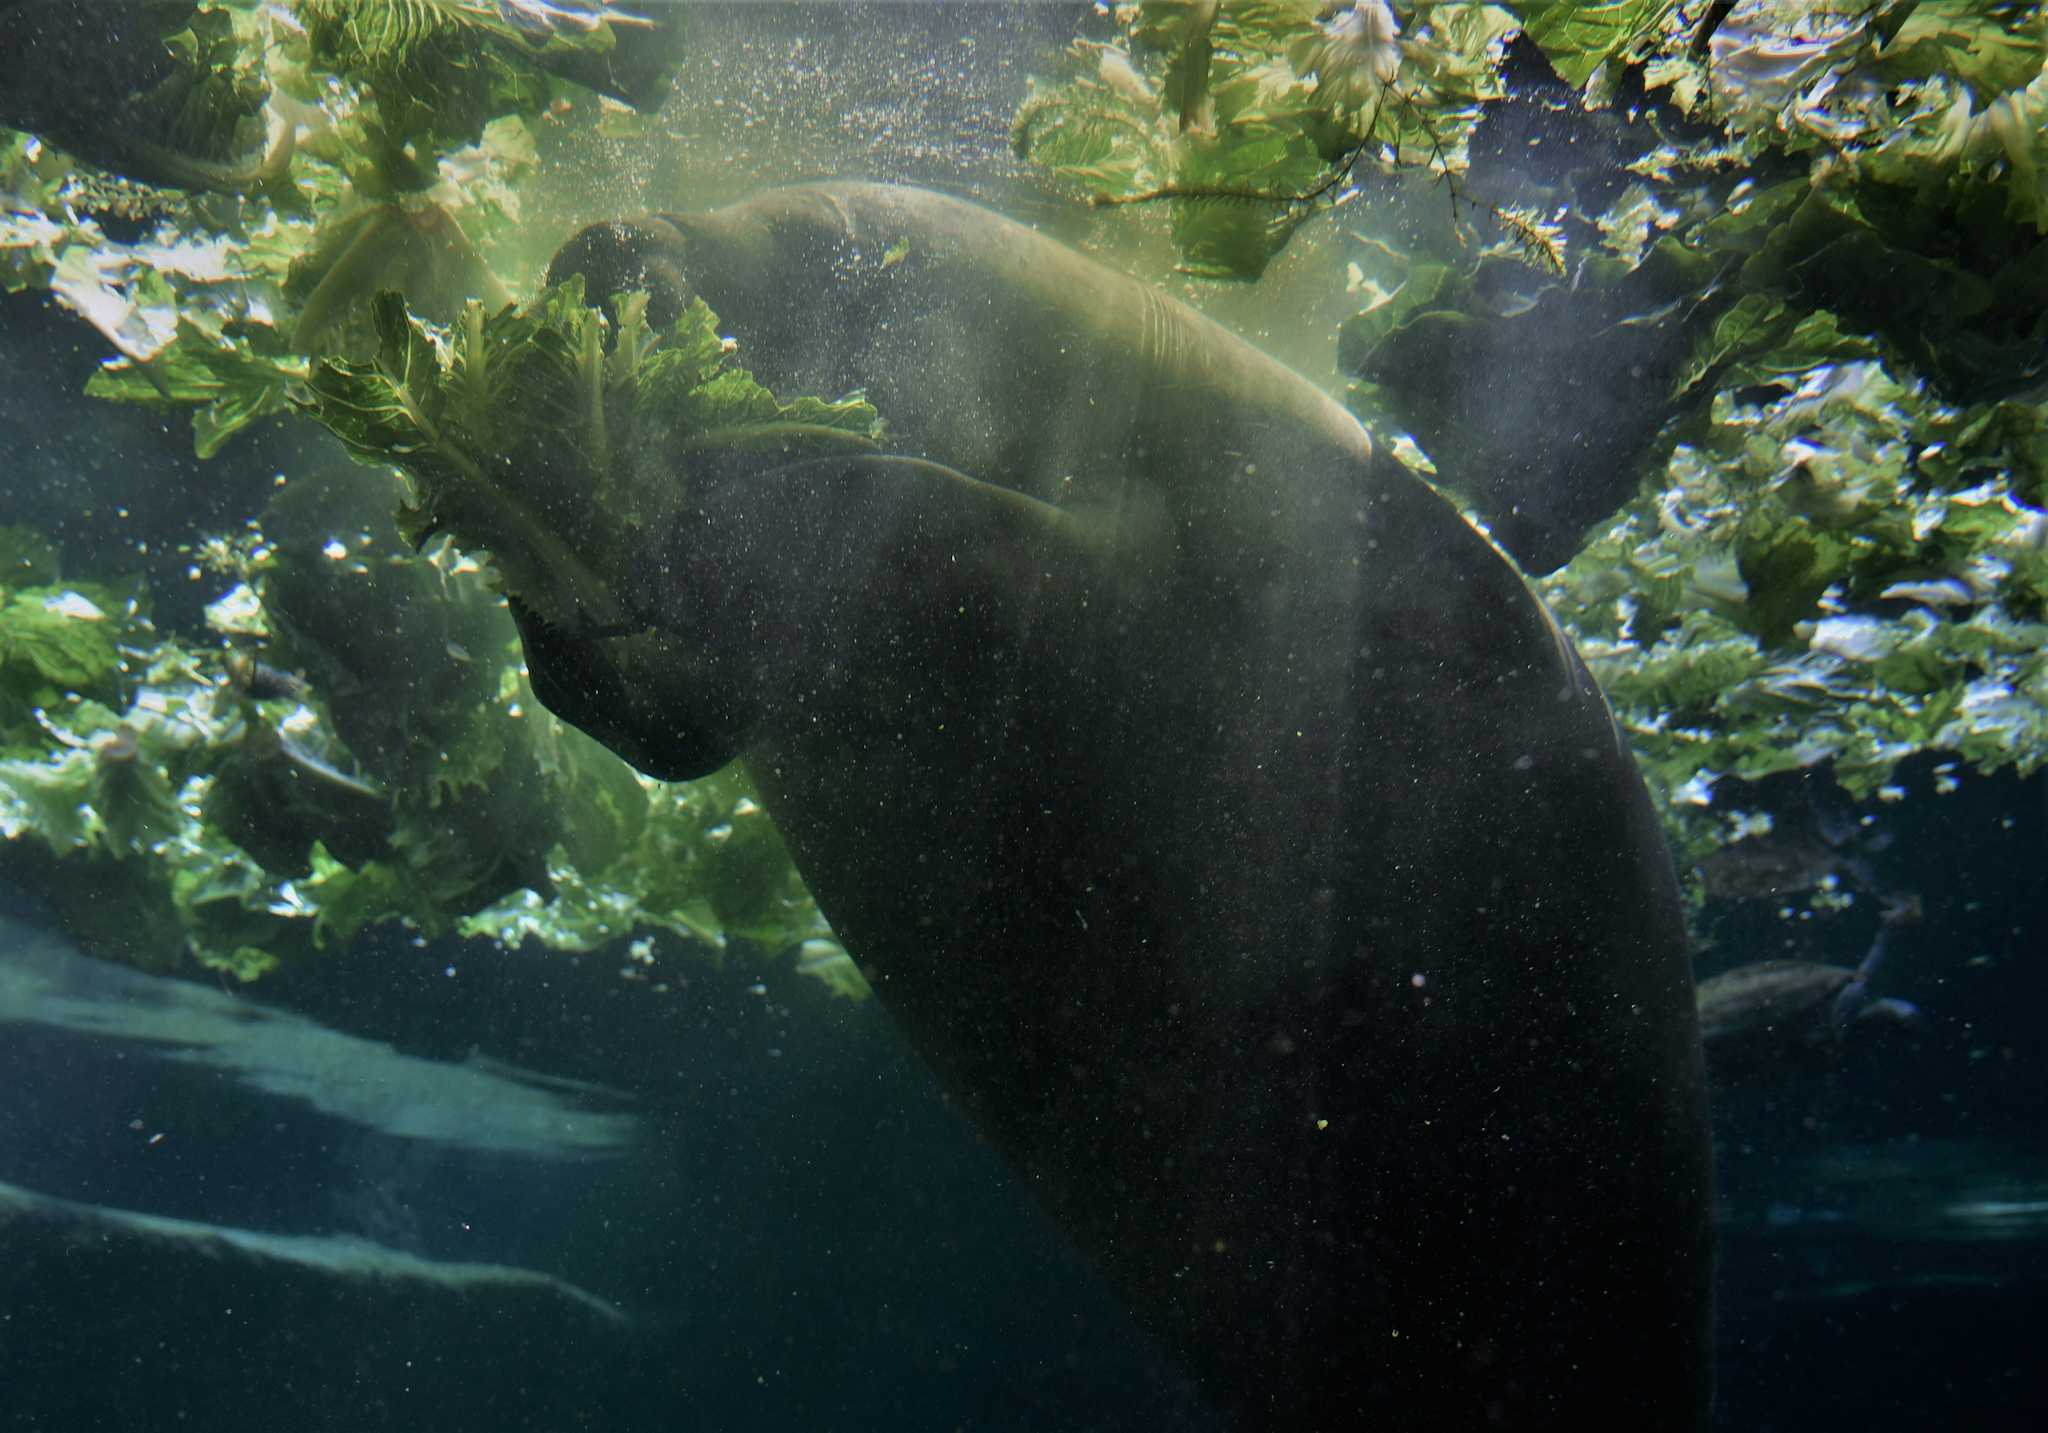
(803, 569)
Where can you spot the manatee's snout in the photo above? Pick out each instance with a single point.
(622, 255)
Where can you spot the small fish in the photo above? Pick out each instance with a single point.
(1778, 1018)
(259, 681)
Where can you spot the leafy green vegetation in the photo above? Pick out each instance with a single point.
(392, 764)
(1843, 570)
(428, 76)
(1580, 39)
(1246, 116)
(552, 443)
(400, 129)
(365, 746)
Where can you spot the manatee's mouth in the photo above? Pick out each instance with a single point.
(621, 256)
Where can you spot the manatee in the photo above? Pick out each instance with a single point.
(1218, 814)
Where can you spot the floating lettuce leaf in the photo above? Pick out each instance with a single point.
(229, 381)
(707, 864)
(56, 638)
(1245, 114)
(1581, 37)
(348, 144)
(99, 791)
(1839, 569)
(431, 74)
(188, 310)
(347, 899)
(1419, 291)
(166, 91)
(523, 436)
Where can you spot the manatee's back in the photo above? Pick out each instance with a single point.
(956, 320)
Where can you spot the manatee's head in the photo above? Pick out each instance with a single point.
(625, 255)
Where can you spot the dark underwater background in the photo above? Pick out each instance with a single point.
(800, 1232)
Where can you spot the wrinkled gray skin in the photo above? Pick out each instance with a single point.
(1218, 814)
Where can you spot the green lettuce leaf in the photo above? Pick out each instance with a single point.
(1248, 116)
(430, 75)
(1839, 569)
(1580, 37)
(523, 437)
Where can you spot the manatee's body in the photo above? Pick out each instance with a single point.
(1218, 814)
